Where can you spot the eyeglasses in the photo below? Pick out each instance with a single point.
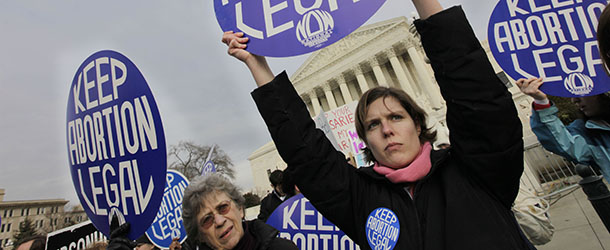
(222, 208)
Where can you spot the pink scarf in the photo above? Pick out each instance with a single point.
(415, 171)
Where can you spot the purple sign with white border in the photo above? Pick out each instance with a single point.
(551, 39)
(168, 223)
(116, 144)
(282, 28)
(298, 220)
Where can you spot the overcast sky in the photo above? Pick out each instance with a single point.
(203, 94)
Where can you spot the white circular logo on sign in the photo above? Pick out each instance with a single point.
(315, 28)
(578, 84)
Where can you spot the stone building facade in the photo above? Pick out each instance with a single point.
(387, 53)
(46, 216)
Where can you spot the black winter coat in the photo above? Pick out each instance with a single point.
(266, 237)
(268, 205)
(464, 202)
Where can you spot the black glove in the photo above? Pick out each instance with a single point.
(118, 236)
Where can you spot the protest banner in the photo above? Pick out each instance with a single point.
(299, 221)
(289, 28)
(168, 223)
(75, 237)
(341, 121)
(551, 39)
(116, 145)
(322, 124)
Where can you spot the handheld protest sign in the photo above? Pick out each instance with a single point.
(554, 40)
(116, 144)
(168, 223)
(288, 28)
(299, 221)
(79, 236)
(208, 167)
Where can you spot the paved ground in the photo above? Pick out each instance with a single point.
(577, 225)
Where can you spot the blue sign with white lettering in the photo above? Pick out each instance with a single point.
(282, 28)
(168, 223)
(208, 167)
(382, 229)
(299, 221)
(116, 144)
(551, 39)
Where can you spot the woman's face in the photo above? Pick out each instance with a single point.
(591, 106)
(219, 221)
(391, 134)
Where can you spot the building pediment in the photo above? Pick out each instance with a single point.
(354, 41)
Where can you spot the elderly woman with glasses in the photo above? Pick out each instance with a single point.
(213, 213)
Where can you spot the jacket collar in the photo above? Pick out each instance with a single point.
(263, 234)
(597, 124)
(437, 157)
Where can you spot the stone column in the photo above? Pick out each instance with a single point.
(315, 102)
(422, 72)
(378, 73)
(347, 97)
(400, 73)
(360, 78)
(332, 104)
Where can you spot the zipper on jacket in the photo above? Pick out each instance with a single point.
(411, 200)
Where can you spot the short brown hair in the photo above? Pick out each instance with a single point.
(603, 37)
(417, 114)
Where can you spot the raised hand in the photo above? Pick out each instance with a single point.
(257, 64)
(531, 87)
(175, 244)
(237, 45)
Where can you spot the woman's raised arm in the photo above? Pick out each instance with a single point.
(427, 8)
(257, 64)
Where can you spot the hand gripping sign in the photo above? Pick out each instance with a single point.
(116, 144)
(552, 39)
(282, 28)
(299, 221)
(168, 222)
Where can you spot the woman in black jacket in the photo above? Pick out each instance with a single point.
(213, 216)
(413, 197)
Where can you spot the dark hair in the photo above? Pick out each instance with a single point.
(39, 242)
(276, 177)
(417, 114)
(603, 37)
(196, 192)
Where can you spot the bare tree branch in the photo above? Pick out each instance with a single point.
(189, 158)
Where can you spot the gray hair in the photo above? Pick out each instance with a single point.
(194, 194)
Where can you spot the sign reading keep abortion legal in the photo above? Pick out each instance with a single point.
(282, 28)
(299, 221)
(168, 223)
(116, 143)
(551, 39)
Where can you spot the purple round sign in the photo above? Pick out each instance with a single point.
(299, 221)
(554, 40)
(282, 28)
(116, 144)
